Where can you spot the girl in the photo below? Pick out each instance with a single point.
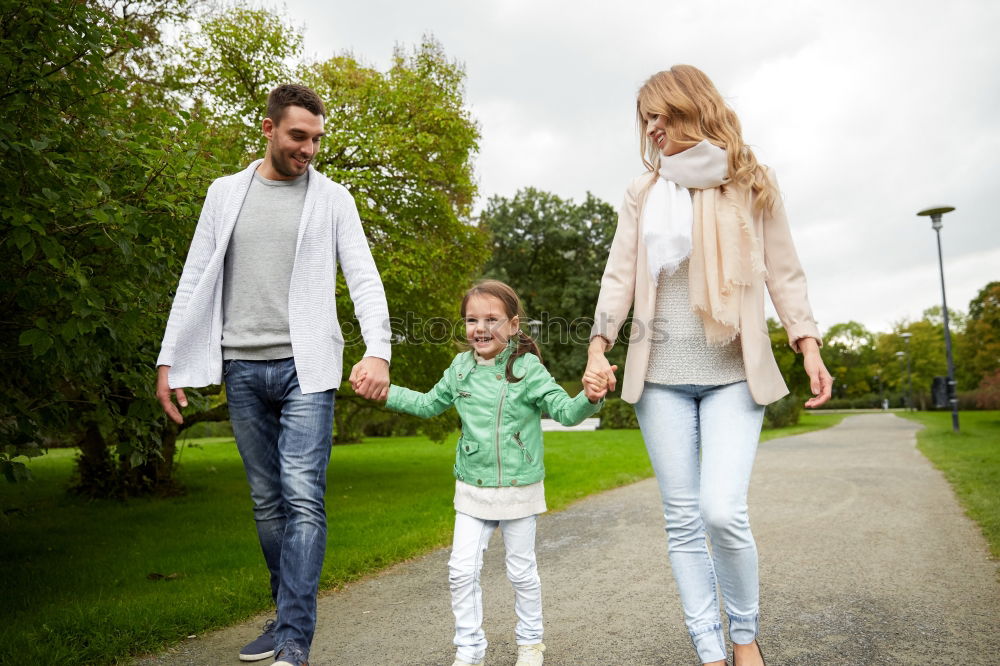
(699, 236)
(499, 388)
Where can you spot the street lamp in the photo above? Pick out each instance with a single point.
(935, 214)
(909, 387)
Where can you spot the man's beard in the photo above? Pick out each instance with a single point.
(286, 166)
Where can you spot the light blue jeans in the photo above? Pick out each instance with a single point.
(702, 441)
(284, 437)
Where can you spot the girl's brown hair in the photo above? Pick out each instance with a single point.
(512, 308)
(695, 111)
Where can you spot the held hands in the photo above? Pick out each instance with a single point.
(820, 380)
(164, 395)
(596, 384)
(599, 377)
(370, 378)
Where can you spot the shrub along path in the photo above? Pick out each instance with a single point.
(866, 558)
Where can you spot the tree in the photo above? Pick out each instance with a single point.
(402, 142)
(926, 355)
(980, 349)
(95, 183)
(553, 253)
(849, 354)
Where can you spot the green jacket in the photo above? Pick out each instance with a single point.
(501, 442)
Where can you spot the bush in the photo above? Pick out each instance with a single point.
(988, 393)
(617, 415)
(783, 413)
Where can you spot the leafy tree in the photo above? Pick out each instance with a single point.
(402, 142)
(95, 183)
(980, 349)
(925, 350)
(849, 354)
(553, 253)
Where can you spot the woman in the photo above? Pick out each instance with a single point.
(699, 236)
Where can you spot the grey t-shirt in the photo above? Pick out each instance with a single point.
(258, 270)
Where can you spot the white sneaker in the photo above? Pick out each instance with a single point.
(530, 655)
(459, 662)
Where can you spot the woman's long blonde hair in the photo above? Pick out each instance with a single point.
(695, 111)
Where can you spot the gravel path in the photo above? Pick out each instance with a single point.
(866, 558)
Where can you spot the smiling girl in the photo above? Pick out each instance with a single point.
(500, 389)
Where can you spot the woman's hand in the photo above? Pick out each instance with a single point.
(820, 381)
(599, 375)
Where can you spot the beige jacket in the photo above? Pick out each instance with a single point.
(626, 284)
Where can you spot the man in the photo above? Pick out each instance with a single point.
(256, 308)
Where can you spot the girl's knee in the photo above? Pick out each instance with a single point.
(523, 577)
(461, 574)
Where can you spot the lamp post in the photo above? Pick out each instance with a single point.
(909, 387)
(935, 214)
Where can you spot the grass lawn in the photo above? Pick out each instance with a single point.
(970, 460)
(94, 582)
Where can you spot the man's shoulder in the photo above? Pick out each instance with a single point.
(327, 186)
(223, 184)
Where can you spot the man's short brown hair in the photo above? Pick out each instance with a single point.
(292, 94)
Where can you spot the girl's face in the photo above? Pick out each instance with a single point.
(487, 327)
(656, 129)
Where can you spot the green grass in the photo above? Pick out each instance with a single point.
(970, 460)
(76, 587)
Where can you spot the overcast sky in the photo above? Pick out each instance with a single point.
(868, 110)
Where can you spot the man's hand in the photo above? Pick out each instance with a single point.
(164, 394)
(370, 378)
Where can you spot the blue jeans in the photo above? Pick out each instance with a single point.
(284, 438)
(702, 441)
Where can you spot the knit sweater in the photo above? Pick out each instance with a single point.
(678, 352)
(329, 233)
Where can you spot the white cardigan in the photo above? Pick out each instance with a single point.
(330, 231)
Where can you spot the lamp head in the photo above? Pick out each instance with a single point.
(935, 213)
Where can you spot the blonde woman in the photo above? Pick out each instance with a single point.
(699, 236)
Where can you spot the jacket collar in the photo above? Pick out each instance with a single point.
(469, 362)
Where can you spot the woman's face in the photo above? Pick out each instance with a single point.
(656, 129)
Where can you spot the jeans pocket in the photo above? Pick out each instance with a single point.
(226, 365)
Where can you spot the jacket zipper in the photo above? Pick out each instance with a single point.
(524, 449)
(496, 436)
(464, 394)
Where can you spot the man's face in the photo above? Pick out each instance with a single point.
(293, 141)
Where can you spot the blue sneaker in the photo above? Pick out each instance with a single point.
(261, 647)
(291, 654)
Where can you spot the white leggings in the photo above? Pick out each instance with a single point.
(472, 537)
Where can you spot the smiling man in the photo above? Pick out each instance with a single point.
(256, 309)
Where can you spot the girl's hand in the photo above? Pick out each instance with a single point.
(820, 381)
(357, 377)
(595, 385)
(593, 393)
(598, 368)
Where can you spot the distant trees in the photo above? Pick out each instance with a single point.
(553, 252)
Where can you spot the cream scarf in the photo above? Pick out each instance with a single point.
(713, 226)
